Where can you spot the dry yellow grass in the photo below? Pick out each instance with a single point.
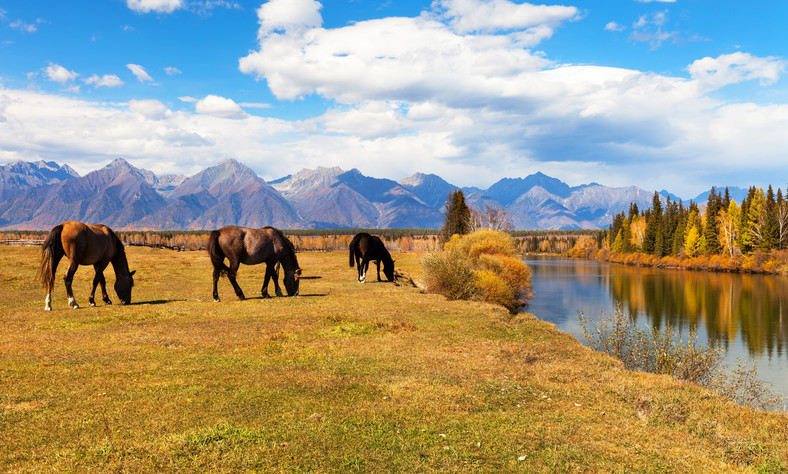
(347, 377)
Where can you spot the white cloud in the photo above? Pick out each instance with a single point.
(713, 73)
(289, 15)
(107, 80)
(613, 26)
(206, 7)
(172, 71)
(219, 107)
(139, 72)
(151, 109)
(393, 58)
(158, 6)
(467, 16)
(24, 27)
(58, 73)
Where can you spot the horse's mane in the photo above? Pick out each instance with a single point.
(293, 260)
(117, 242)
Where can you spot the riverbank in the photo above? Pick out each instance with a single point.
(346, 377)
(773, 263)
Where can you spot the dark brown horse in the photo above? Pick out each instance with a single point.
(85, 244)
(250, 247)
(365, 247)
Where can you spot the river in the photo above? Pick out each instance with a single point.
(746, 315)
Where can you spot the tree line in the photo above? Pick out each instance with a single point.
(758, 225)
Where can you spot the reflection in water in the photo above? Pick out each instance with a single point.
(743, 314)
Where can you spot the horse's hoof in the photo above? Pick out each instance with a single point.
(107, 302)
(92, 304)
(216, 300)
(279, 294)
(265, 295)
(47, 308)
(76, 306)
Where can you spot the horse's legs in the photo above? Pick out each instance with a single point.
(216, 274)
(231, 276)
(268, 274)
(359, 268)
(48, 300)
(68, 278)
(99, 280)
(363, 269)
(275, 275)
(377, 264)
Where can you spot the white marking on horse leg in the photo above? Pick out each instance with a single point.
(48, 303)
(73, 303)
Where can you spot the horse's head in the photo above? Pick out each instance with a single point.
(123, 285)
(388, 269)
(292, 281)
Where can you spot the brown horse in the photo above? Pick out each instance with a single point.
(365, 247)
(85, 244)
(250, 247)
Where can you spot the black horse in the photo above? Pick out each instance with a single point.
(365, 247)
(85, 244)
(250, 247)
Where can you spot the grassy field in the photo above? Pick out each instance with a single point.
(346, 377)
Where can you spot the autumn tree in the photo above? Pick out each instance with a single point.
(728, 226)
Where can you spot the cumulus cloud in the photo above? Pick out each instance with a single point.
(713, 73)
(289, 15)
(139, 72)
(613, 26)
(57, 73)
(152, 109)
(172, 71)
(107, 80)
(219, 107)
(158, 6)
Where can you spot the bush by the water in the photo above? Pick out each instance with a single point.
(667, 352)
(479, 266)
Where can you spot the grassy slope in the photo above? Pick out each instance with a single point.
(347, 376)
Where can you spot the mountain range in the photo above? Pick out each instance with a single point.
(38, 196)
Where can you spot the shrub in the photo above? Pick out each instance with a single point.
(480, 266)
(493, 289)
(448, 275)
(666, 352)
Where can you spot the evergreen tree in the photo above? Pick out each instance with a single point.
(653, 227)
(457, 217)
(770, 230)
(711, 244)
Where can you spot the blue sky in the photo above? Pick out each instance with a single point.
(678, 95)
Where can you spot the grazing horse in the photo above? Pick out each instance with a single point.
(365, 247)
(250, 247)
(85, 244)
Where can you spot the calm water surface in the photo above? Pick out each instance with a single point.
(747, 315)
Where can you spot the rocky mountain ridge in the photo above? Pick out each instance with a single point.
(43, 194)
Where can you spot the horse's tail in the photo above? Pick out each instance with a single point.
(215, 251)
(352, 248)
(51, 253)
